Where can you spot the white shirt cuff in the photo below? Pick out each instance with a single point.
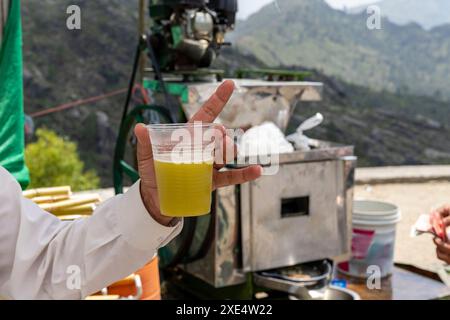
(138, 227)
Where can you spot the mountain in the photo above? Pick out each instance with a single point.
(385, 128)
(311, 34)
(428, 14)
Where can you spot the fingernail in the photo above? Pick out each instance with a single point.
(232, 82)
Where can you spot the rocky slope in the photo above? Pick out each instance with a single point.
(403, 59)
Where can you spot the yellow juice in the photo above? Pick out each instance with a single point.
(184, 189)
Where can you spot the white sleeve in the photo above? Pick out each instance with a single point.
(44, 258)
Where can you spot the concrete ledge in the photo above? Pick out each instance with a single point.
(375, 175)
(402, 174)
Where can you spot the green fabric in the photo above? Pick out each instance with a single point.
(177, 35)
(12, 132)
(175, 89)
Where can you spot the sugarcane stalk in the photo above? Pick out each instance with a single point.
(50, 199)
(72, 217)
(53, 191)
(74, 202)
(101, 297)
(82, 209)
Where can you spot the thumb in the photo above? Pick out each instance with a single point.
(144, 146)
(145, 156)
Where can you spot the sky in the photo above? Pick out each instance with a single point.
(247, 7)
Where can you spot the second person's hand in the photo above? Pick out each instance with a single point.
(440, 220)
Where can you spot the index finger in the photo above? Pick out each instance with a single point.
(442, 246)
(214, 106)
(443, 211)
(446, 221)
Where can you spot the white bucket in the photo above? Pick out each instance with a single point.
(373, 241)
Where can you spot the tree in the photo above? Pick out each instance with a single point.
(54, 161)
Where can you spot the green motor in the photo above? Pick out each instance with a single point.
(188, 34)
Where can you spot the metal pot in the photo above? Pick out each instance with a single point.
(332, 293)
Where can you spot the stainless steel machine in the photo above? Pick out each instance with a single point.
(279, 234)
(259, 233)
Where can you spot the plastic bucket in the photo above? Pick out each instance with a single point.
(149, 280)
(373, 239)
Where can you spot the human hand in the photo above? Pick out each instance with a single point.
(440, 220)
(208, 113)
(442, 250)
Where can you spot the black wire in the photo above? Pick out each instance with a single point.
(137, 57)
(144, 41)
(172, 109)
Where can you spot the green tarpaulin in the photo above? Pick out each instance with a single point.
(11, 97)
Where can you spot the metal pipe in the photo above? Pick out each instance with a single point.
(290, 287)
(141, 30)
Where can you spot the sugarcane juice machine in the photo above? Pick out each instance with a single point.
(279, 234)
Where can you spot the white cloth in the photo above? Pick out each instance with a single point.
(265, 139)
(40, 256)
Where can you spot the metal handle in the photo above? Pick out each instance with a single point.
(292, 288)
(311, 281)
(136, 279)
(139, 290)
(345, 218)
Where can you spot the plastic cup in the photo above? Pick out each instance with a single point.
(183, 158)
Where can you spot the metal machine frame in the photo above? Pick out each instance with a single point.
(251, 236)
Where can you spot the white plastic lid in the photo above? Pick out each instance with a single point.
(366, 212)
